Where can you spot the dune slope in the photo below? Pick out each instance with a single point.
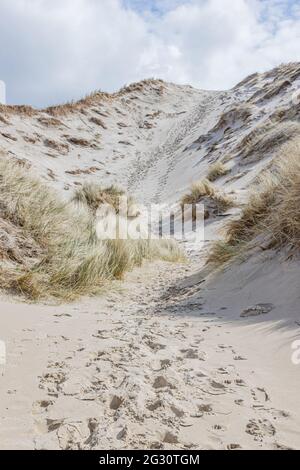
(193, 356)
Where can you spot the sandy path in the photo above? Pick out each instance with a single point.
(154, 362)
(136, 371)
(149, 174)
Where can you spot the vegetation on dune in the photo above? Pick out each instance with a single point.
(49, 247)
(272, 212)
(216, 170)
(93, 195)
(266, 138)
(157, 86)
(215, 201)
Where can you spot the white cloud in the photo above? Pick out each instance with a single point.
(221, 41)
(59, 50)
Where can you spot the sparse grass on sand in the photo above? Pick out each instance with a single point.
(216, 170)
(266, 138)
(49, 247)
(272, 212)
(93, 195)
(214, 200)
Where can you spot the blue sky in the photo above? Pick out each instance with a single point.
(55, 51)
(143, 5)
(157, 7)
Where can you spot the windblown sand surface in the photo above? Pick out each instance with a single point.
(151, 366)
(175, 356)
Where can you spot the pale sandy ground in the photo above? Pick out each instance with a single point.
(163, 360)
(147, 366)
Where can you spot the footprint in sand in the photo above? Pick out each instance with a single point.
(239, 358)
(219, 428)
(256, 310)
(162, 383)
(177, 412)
(240, 382)
(72, 436)
(279, 446)
(260, 394)
(205, 408)
(95, 357)
(239, 402)
(223, 371)
(155, 346)
(116, 402)
(260, 429)
(234, 447)
(170, 438)
(52, 381)
(60, 315)
(155, 405)
(41, 406)
(217, 385)
(190, 354)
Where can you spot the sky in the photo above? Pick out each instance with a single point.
(52, 51)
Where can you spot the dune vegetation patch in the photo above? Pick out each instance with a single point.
(272, 212)
(49, 246)
(265, 138)
(270, 90)
(93, 195)
(98, 97)
(79, 142)
(235, 117)
(287, 113)
(215, 201)
(217, 170)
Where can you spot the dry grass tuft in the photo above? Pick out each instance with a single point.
(98, 122)
(270, 90)
(58, 146)
(50, 122)
(79, 142)
(287, 113)
(198, 190)
(92, 99)
(20, 110)
(49, 247)
(236, 115)
(3, 120)
(254, 213)
(217, 170)
(73, 106)
(273, 211)
(215, 201)
(156, 84)
(92, 195)
(97, 97)
(266, 138)
(222, 252)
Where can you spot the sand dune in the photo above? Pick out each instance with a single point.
(179, 356)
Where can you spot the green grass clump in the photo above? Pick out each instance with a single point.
(49, 247)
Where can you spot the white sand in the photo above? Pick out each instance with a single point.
(163, 360)
(173, 368)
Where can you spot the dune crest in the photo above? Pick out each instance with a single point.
(199, 354)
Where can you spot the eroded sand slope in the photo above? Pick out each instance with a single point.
(165, 359)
